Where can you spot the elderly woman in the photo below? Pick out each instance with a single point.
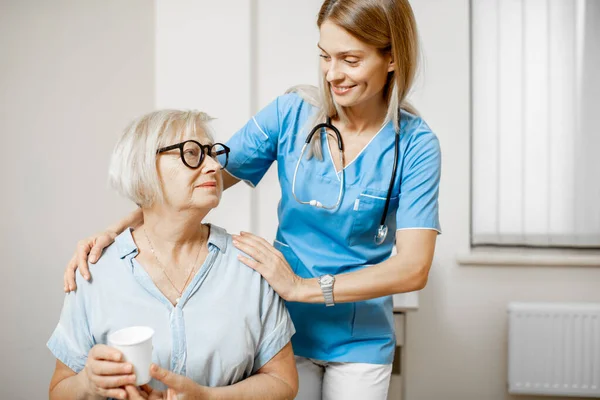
(220, 329)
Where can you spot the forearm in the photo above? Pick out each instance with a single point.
(395, 275)
(134, 219)
(261, 386)
(71, 388)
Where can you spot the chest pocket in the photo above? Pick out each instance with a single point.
(366, 216)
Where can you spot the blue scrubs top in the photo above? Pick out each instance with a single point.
(318, 241)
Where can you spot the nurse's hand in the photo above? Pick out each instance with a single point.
(88, 249)
(179, 387)
(270, 263)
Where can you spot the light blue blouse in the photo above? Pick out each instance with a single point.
(228, 323)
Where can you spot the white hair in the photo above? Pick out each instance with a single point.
(132, 169)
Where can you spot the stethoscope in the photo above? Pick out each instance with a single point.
(382, 231)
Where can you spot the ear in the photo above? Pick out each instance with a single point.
(391, 65)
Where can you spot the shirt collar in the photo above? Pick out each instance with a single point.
(126, 245)
(218, 237)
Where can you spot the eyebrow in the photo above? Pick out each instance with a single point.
(343, 53)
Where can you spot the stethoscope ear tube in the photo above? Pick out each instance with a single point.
(382, 231)
(313, 202)
(327, 125)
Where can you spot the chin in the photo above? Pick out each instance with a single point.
(343, 101)
(211, 203)
(206, 202)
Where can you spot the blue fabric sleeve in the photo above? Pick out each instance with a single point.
(277, 326)
(420, 182)
(71, 341)
(254, 147)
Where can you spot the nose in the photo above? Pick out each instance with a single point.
(333, 72)
(210, 165)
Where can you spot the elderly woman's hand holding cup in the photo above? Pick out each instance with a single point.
(106, 373)
(126, 361)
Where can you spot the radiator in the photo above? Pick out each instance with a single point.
(554, 349)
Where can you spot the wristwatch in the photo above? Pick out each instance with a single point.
(326, 282)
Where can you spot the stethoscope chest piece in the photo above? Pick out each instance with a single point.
(382, 231)
(381, 234)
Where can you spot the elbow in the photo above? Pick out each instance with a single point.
(52, 394)
(293, 386)
(420, 276)
(420, 283)
(293, 392)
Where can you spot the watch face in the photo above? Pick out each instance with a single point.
(326, 280)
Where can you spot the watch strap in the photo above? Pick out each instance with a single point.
(327, 290)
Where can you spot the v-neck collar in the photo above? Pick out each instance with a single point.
(337, 173)
(217, 241)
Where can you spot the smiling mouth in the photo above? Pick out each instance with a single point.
(341, 89)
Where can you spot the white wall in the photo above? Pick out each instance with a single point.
(72, 74)
(203, 62)
(230, 60)
(288, 55)
(456, 342)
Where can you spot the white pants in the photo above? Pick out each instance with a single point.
(321, 380)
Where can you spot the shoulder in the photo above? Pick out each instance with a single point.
(108, 265)
(284, 111)
(295, 104)
(290, 100)
(230, 265)
(222, 240)
(417, 135)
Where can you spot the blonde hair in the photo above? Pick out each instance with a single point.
(132, 169)
(389, 26)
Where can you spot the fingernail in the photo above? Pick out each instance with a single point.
(235, 242)
(87, 277)
(153, 368)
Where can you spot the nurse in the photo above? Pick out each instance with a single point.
(331, 260)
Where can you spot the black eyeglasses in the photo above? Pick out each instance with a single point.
(192, 153)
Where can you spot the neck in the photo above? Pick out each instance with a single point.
(366, 116)
(174, 233)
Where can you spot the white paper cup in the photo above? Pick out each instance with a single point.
(136, 345)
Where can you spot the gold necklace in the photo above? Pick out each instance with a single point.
(164, 270)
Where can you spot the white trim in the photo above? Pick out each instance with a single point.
(259, 128)
(367, 145)
(283, 244)
(374, 197)
(359, 153)
(337, 173)
(528, 259)
(240, 179)
(419, 228)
